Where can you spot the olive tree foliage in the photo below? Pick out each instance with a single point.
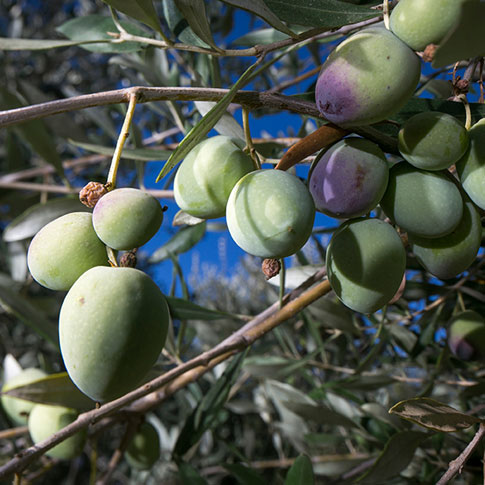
(259, 381)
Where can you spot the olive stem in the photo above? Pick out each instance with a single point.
(385, 9)
(125, 129)
(282, 281)
(249, 148)
(468, 112)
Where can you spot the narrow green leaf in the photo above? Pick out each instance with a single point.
(186, 310)
(301, 472)
(226, 125)
(205, 414)
(262, 36)
(319, 414)
(466, 38)
(259, 8)
(34, 132)
(182, 241)
(141, 154)
(395, 457)
(245, 475)
(320, 13)
(179, 25)
(96, 27)
(55, 389)
(194, 12)
(37, 216)
(16, 44)
(433, 414)
(17, 305)
(189, 475)
(200, 130)
(142, 10)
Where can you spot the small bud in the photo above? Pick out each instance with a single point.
(271, 267)
(91, 193)
(128, 260)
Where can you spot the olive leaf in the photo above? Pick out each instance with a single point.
(54, 389)
(259, 8)
(89, 30)
(301, 472)
(142, 10)
(466, 39)
(37, 216)
(320, 13)
(396, 455)
(194, 13)
(433, 414)
(182, 241)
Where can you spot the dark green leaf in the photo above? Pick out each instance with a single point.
(418, 105)
(366, 383)
(206, 413)
(141, 10)
(301, 472)
(466, 38)
(96, 27)
(259, 8)
(182, 241)
(141, 154)
(179, 26)
(186, 310)
(263, 36)
(433, 414)
(244, 475)
(37, 216)
(200, 130)
(189, 475)
(396, 456)
(34, 132)
(194, 13)
(55, 389)
(14, 303)
(319, 414)
(320, 13)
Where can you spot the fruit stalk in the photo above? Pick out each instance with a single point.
(113, 169)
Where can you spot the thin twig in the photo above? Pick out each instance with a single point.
(60, 189)
(457, 465)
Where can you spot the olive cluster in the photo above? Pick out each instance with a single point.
(269, 213)
(367, 78)
(113, 321)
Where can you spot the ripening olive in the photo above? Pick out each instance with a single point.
(270, 213)
(207, 175)
(112, 327)
(45, 420)
(64, 249)
(127, 218)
